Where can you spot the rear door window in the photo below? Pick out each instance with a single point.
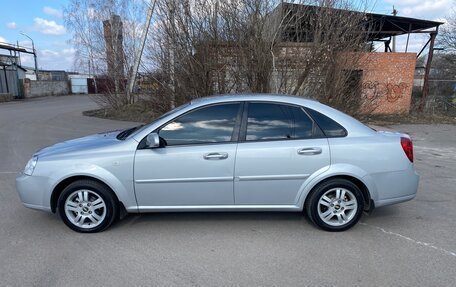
(270, 121)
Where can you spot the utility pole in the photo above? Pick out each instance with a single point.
(19, 53)
(92, 63)
(424, 96)
(171, 43)
(34, 55)
(134, 72)
(394, 37)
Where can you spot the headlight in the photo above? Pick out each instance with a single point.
(30, 167)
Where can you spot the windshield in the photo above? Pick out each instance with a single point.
(126, 133)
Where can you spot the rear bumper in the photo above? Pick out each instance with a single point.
(396, 187)
(390, 201)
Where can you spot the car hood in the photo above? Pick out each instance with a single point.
(86, 143)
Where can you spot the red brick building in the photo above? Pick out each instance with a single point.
(389, 77)
(386, 78)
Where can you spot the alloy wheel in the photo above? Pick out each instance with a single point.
(337, 206)
(85, 209)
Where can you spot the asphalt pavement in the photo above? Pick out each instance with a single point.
(409, 244)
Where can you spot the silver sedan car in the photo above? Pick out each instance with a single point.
(226, 153)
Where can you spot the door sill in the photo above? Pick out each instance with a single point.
(192, 208)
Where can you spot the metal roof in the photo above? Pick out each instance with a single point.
(376, 26)
(3, 64)
(12, 47)
(383, 26)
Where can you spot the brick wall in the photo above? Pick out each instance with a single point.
(388, 77)
(45, 88)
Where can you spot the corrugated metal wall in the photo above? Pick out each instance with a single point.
(9, 83)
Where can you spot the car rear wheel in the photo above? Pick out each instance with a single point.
(335, 205)
(87, 206)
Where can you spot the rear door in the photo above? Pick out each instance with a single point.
(280, 147)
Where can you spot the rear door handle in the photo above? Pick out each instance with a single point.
(216, 155)
(310, 151)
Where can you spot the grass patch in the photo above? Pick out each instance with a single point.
(137, 112)
(412, 118)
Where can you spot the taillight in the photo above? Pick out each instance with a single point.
(407, 146)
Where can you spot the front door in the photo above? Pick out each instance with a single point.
(195, 166)
(279, 149)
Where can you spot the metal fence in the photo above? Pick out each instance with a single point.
(441, 105)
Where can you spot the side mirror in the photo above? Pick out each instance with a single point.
(153, 140)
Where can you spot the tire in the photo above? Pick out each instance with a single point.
(335, 205)
(87, 206)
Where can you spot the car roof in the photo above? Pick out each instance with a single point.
(253, 97)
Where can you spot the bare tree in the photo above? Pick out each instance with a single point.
(448, 33)
(443, 73)
(85, 19)
(320, 61)
(206, 47)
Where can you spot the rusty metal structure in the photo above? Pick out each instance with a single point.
(10, 66)
(376, 27)
(386, 26)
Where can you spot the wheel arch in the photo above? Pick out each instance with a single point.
(367, 198)
(58, 189)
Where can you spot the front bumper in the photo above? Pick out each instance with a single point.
(34, 191)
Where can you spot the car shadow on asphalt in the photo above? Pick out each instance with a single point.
(384, 211)
(235, 218)
(227, 218)
(211, 217)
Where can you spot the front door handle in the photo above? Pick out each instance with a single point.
(310, 151)
(216, 155)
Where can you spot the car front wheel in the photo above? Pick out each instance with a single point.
(87, 206)
(335, 205)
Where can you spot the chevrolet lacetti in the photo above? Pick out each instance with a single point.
(226, 153)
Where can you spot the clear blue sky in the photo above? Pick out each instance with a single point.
(42, 21)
